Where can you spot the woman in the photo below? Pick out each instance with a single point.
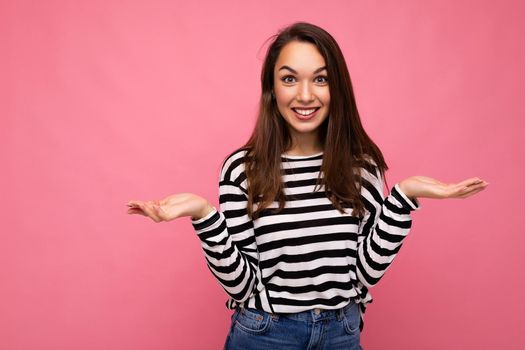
(295, 251)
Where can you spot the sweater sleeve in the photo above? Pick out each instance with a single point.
(385, 225)
(227, 238)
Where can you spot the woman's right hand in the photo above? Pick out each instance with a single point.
(171, 207)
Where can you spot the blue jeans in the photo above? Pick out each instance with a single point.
(253, 329)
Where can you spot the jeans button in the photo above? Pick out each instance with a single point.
(317, 311)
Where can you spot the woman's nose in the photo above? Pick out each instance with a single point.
(305, 93)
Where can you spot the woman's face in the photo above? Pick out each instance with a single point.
(300, 86)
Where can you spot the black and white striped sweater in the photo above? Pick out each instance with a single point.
(309, 255)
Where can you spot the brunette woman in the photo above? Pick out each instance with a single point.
(304, 229)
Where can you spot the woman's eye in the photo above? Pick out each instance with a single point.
(286, 77)
(323, 77)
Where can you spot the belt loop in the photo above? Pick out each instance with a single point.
(340, 313)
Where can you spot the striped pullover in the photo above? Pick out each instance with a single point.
(309, 255)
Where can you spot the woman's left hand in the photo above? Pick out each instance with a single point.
(427, 187)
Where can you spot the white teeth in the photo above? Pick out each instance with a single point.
(305, 111)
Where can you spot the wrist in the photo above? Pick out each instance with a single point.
(206, 209)
(403, 189)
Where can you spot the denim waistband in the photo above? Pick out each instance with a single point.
(312, 315)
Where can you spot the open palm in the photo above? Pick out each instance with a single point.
(427, 187)
(169, 208)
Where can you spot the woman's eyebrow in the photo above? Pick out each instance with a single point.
(295, 72)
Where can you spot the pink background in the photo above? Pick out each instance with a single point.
(106, 101)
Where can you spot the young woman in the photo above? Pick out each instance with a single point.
(304, 228)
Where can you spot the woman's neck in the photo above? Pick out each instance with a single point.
(304, 145)
(304, 151)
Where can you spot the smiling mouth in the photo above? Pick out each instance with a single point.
(304, 111)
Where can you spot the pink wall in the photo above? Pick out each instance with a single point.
(102, 102)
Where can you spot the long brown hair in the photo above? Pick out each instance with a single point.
(346, 144)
